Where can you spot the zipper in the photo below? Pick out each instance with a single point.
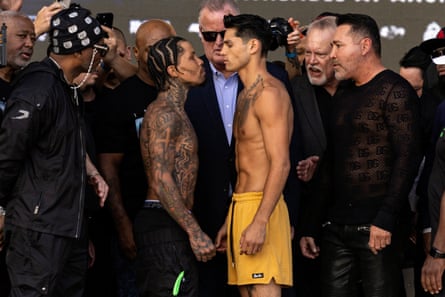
(37, 207)
(82, 168)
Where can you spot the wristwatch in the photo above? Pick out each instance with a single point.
(436, 254)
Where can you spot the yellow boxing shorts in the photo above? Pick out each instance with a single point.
(274, 261)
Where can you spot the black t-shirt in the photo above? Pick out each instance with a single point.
(375, 142)
(324, 102)
(117, 131)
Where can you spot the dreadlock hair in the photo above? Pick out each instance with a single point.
(162, 54)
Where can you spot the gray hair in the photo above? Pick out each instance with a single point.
(324, 23)
(217, 5)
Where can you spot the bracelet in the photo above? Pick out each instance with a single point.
(436, 254)
(2, 211)
(291, 55)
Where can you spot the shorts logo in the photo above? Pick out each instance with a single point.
(257, 275)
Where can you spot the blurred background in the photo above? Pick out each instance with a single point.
(403, 23)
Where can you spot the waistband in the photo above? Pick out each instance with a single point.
(249, 196)
(152, 204)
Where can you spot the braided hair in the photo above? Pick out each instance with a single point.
(162, 54)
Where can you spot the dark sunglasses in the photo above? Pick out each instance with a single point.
(102, 49)
(211, 36)
(438, 52)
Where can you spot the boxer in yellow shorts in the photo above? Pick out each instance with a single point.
(274, 261)
(259, 233)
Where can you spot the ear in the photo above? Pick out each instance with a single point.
(253, 46)
(136, 52)
(365, 45)
(172, 71)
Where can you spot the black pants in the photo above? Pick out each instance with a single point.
(163, 252)
(348, 265)
(41, 264)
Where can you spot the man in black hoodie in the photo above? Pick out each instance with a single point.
(44, 167)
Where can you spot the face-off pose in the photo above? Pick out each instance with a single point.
(259, 256)
(169, 151)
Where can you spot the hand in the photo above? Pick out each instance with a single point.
(43, 18)
(100, 187)
(308, 247)
(111, 42)
(378, 239)
(221, 239)
(15, 5)
(2, 232)
(432, 272)
(202, 246)
(252, 238)
(126, 239)
(91, 254)
(294, 38)
(306, 168)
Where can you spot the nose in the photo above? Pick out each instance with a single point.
(312, 59)
(333, 53)
(29, 41)
(219, 39)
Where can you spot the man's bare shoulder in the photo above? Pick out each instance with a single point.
(160, 116)
(273, 91)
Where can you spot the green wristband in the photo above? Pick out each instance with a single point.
(177, 284)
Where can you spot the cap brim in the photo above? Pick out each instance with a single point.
(428, 46)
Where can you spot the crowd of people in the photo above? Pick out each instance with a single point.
(223, 174)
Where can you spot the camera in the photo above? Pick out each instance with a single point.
(280, 29)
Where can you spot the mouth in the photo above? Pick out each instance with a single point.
(315, 71)
(26, 56)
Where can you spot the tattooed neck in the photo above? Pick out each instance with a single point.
(177, 94)
(258, 80)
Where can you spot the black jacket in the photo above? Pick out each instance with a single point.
(42, 153)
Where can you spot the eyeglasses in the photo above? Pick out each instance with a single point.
(211, 36)
(102, 49)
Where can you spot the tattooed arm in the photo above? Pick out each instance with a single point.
(166, 154)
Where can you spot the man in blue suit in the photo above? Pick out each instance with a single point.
(210, 108)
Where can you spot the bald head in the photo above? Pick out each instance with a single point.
(148, 34)
(152, 31)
